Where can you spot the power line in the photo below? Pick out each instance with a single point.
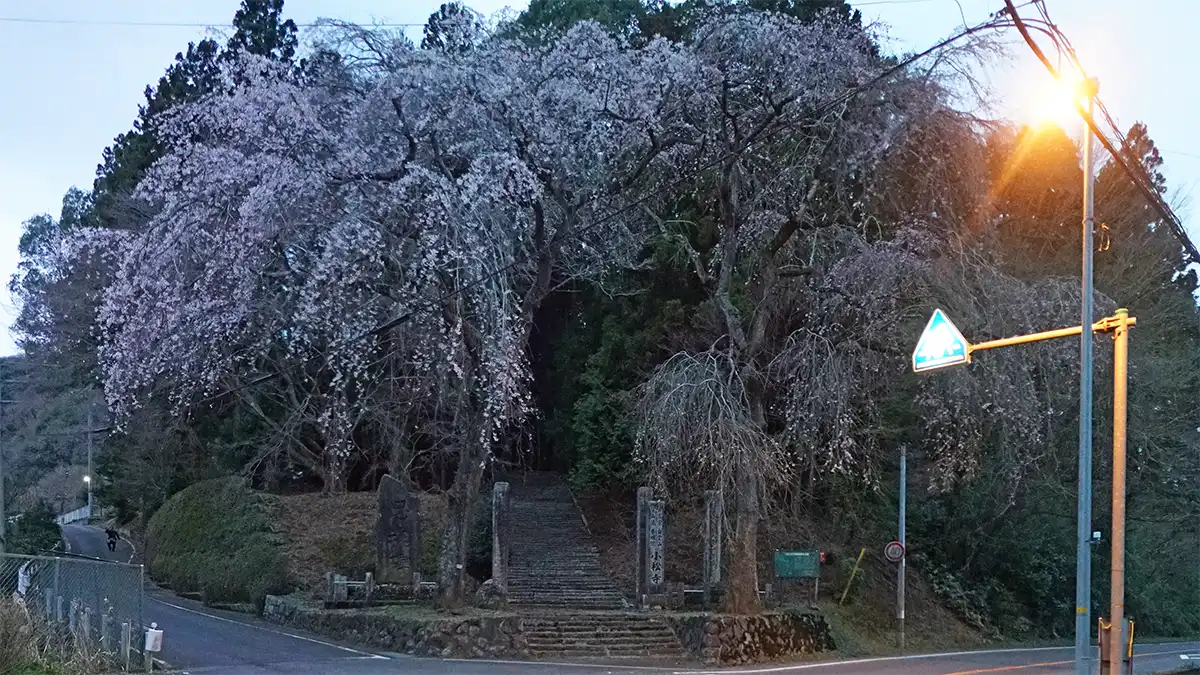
(993, 22)
(1137, 176)
(173, 24)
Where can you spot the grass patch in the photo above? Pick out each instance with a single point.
(215, 538)
(29, 647)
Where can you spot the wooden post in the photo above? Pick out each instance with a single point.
(126, 644)
(369, 588)
(105, 629)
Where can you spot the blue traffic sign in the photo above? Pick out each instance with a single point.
(941, 345)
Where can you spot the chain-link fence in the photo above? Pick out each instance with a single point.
(97, 601)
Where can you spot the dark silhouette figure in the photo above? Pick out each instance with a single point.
(112, 538)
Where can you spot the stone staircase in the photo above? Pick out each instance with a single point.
(601, 636)
(572, 610)
(554, 563)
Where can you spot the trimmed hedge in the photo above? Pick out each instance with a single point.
(215, 538)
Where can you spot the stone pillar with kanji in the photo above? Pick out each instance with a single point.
(714, 515)
(655, 546)
(643, 502)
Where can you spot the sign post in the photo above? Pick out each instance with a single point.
(800, 565)
(901, 544)
(942, 345)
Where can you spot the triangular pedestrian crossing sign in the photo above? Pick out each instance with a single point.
(941, 345)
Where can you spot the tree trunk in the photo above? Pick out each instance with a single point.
(452, 561)
(742, 597)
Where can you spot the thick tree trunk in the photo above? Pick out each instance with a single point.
(452, 561)
(742, 597)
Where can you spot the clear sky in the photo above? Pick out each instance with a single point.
(72, 79)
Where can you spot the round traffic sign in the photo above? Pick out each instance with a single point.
(894, 551)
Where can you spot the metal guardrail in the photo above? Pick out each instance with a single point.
(82, 513)
(98, 601)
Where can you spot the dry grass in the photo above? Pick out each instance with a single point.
(323, 533)
(30, 646)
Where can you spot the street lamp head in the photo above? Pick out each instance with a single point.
(87, 479)
(1057, 105)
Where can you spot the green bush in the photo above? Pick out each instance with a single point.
(34, 531)
(215, 538)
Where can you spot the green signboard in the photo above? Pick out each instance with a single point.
(798, 564)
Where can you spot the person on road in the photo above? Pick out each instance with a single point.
(112, 538)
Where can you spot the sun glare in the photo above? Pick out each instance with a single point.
(1054, 105)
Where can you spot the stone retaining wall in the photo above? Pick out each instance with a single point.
(735, 640)
(450, 637)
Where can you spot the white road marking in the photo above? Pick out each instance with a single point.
(909, 657)
(562, 664)
(367, 655)
(276, 666)
(874, 659)
(132, 550)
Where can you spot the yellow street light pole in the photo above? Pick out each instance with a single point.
(1120, 393)
(942, 345)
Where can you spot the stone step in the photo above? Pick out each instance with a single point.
(524, 555)
(534, 573)
(610, 620)
(594, 586)
(584, 633)
(579, 586)
(623, 642)
(613, 651)
(569, 604)
(613, 601)
(534, 552)
(556, 572)
(545, 596)
(555, 564)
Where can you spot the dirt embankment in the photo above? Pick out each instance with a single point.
(865, 624)
(336, 533)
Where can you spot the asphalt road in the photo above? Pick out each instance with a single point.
(201, 640)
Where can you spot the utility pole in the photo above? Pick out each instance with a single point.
(1083, 532)
(1120, 394)
(88, 479)
(903, 542)
(3, 515)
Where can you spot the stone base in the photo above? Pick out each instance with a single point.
(449, 637)
(727, 640)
